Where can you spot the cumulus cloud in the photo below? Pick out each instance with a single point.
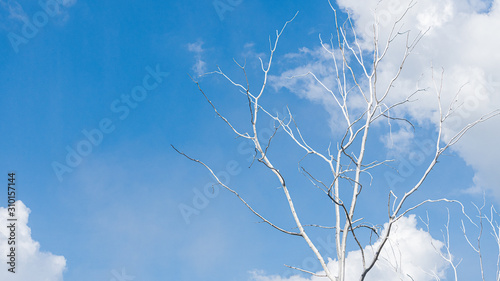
(461, 40)
(200, 66)
(409, 252)
(31, 263)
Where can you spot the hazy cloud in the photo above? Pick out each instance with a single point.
(200, 66)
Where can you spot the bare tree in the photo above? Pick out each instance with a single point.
(485, 223)
(355, 76)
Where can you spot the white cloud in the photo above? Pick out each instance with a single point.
(409, 252)
(398, 142)
(462, 40)
(200, 66)
(316, 61)
(31, 263)
(297, 80)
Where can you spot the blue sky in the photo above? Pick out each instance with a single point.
(120, 206)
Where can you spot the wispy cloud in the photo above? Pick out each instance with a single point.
(11, 13)
(200, 66)
(298, 80)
